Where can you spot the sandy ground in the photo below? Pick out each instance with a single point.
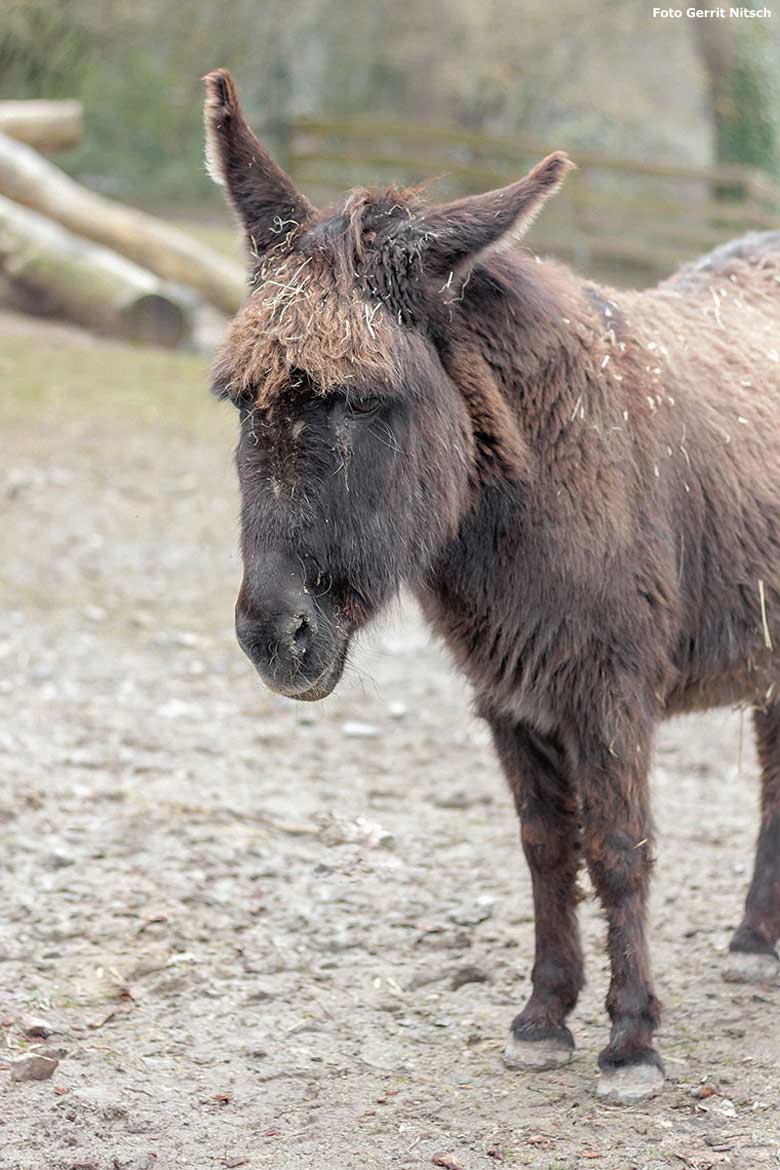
(249, 923)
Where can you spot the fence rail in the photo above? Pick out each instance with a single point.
(626, 218)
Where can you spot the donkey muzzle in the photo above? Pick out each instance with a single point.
(286, 636)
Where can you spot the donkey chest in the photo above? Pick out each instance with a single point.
(523, 644)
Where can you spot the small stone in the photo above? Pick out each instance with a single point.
(114, 1111)
(468, 974)
(259, 995)
(180, 709)
(355, 730)
(36, 1028)
(139, 1125)
(440, 938)
(397, 710)
(135, 1162)
(472, 915)
(391, 1002)
(185, 638)
(425, 979)
(257, 1047)
(34, 1066)
(456, 800)
(150, 962)
(358, 831)
(724, 1107)
(104, 1102)
(59, 859)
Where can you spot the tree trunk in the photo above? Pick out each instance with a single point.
(60, 274)
(45, 125)
(28, 178)
(740, 96)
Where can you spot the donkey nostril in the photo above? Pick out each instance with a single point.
(301, 635)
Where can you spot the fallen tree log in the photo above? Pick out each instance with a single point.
(59, 274)
(28, 178)
(44, 125)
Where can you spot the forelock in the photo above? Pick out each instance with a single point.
(316, 306)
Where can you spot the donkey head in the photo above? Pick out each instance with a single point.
(369, 416)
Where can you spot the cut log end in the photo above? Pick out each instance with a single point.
(154, 319)
(33, 182)
(63, 275)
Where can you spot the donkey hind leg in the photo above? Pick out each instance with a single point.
(752, 955)
(617, 840)
(549, 814)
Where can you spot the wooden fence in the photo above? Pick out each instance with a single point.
(626, 219)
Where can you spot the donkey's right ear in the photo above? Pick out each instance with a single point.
(263, 196)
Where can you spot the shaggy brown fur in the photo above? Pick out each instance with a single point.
(299, 319)
(581, 486)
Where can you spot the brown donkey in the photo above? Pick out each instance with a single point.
(581, 487)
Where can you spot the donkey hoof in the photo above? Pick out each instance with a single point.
(751, 967)
(629, 1084)
(551, 1051)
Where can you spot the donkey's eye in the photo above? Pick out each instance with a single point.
(362, 407)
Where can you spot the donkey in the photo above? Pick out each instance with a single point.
(581, 487)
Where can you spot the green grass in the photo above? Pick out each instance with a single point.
(52, 378)
(47, 380)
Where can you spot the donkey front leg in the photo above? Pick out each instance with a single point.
(753, 957)
(548, 810)
(617, 840)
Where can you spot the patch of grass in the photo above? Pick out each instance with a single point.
(49, 378)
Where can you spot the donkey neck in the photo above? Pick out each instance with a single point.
(537, 327)
(525, 572)
(541, 333)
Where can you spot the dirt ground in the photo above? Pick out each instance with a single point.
(285, 936)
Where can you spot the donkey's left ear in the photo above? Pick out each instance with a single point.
(464, 231)
(266, 200)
